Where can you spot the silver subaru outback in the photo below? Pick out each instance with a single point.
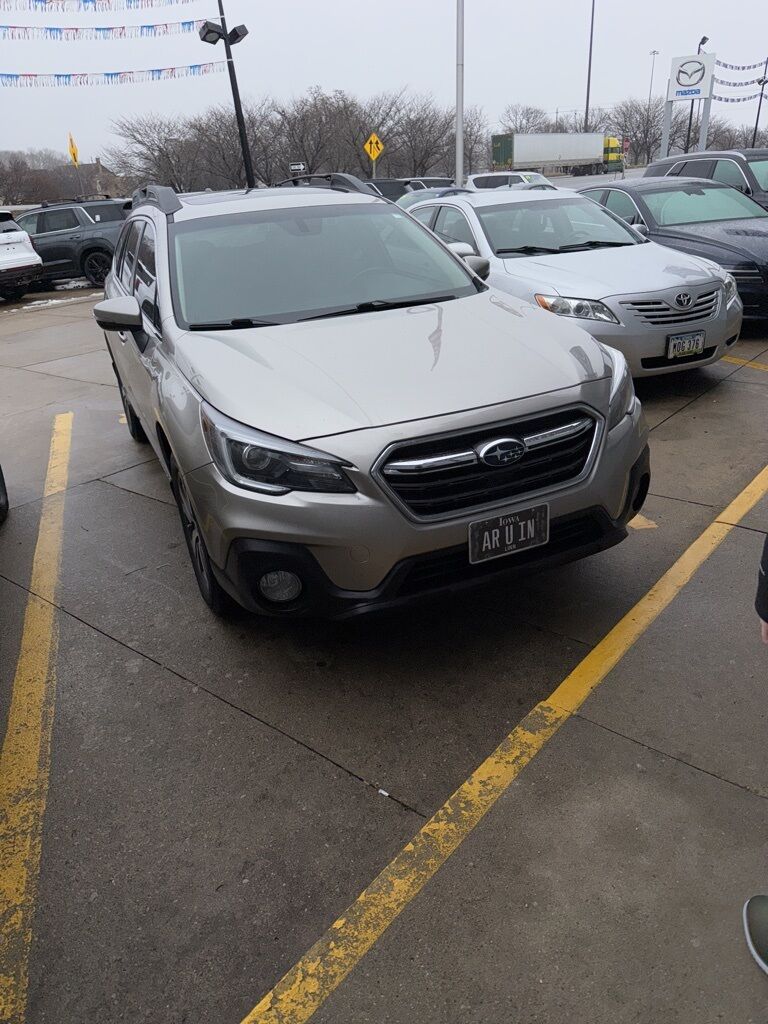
(349, 417)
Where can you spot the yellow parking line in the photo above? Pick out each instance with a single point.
(322, 969)
(745, 362)
(26, 750)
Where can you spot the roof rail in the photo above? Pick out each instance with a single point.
(337, 181)
(162, 196)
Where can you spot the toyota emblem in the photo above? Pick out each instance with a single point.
(502, 451)
(683, 300)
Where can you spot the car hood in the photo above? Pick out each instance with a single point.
(600, 273)
(348, 373)
(745, 237)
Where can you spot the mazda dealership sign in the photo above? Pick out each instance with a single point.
(691, 77)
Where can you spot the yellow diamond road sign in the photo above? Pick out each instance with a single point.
(374, 147)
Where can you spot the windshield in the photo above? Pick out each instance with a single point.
(700, 204)
(551, 225)
(290, 264)
(760, 170)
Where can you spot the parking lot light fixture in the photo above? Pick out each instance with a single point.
(762, 82)
(702, 42)
(210, 32)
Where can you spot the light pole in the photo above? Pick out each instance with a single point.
(762, 82)
(589, 67)
(654, 54)
(459, 171)
(702, 42)
(211, 33)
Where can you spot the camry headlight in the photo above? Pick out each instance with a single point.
(731, 291)
(262, 462)
(582, 309)
(622, 398)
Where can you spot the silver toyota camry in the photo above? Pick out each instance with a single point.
(663, 310)
(348, 415)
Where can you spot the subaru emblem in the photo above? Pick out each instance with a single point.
(502, 451)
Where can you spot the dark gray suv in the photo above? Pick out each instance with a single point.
(76, 238)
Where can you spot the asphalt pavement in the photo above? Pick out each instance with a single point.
(211, 800)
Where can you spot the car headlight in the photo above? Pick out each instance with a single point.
(731, 291)
(622, 398)
(262, 462)
(582, 309)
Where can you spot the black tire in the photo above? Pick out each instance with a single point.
(211, 591)
(13, 294)
(96, 265)
(3, 499)
(133, 422)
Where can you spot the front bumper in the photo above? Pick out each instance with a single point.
(645, 347)
(14, 277)
(356, 552)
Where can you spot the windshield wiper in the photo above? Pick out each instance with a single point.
(527, 250)
(376, 304)
(594, 244)
(233, 325)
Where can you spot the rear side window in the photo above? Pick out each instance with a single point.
(424, 215)
(493, 180)
(129, 255)
(104, 213)
(57, 220)
(452, 226)
(696, 169)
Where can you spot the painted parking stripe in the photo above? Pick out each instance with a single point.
(745, 362)
(324, 967)
(26, 750)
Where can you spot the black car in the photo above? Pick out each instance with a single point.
(76, 238)
(3, 499)
(703, 218)
(743, 169)
(394, 188)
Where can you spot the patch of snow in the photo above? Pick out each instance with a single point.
(68, 286)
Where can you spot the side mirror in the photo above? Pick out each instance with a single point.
(122, 314)
(641, 229)
(480, 265)
(755, 917)
(462, 249)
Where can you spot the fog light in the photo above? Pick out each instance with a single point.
(280, 586)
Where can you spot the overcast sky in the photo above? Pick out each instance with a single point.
(528, 52)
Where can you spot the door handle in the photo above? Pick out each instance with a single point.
(73, 238)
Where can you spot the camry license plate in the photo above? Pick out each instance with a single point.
(680, 345)
(507, 533)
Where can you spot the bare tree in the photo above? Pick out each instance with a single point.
(520, 117)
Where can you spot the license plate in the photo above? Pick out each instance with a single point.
(507, 533)
(679, 345)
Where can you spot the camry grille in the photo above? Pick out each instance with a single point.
(442, 476)
(658, 313)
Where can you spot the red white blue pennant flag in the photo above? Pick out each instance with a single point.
(70, 34)
(109, 77)
(87, 6)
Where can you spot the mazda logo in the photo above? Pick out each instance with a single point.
(683, 300)
(690, 73)
(501, 452)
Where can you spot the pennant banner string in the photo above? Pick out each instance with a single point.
(87, 6)
(735, 99)
(68, 34)
(721, 81)
(740, 67)
(109, 77)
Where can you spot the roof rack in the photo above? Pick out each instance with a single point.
(337, 181)
(162, 196)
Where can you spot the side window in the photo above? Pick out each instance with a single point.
(729, 172)
(620, 204)
(57, 220)
(424, 215)
(491, 180)
(452, 226)
(28, 223)
(145, 288)
(103, 213)
(697, 169)
(128, 264)
(596, 194)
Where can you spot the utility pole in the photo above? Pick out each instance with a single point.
(762, 83)
(459, 172)
(654, 54)
(589, 67)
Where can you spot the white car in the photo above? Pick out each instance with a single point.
(505, 179)
(20, 265)
(574, 258)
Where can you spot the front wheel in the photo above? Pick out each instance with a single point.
(211, 591)
(96, 266)
(12, 294)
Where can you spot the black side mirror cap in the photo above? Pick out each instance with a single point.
(480, 265)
